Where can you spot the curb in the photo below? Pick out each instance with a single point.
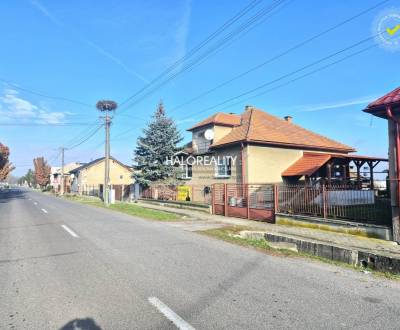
(350, 256)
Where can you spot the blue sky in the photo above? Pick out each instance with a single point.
(90, 50)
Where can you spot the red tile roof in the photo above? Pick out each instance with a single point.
(392, 97)
(311, 162)
(220, 118)
(260, 127)
(307, 164)
(378, 107)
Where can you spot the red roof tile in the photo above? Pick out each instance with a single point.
(389, 98)
(307, 164)
(220, 118)
(311, 162)
(260, 127)
(378, 107)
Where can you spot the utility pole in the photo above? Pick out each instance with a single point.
(62, 170)
(107, 106)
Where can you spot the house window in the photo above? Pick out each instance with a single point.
(224, 169)
(121, 177)
(186, 171)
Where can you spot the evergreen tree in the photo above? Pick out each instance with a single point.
(158, 143)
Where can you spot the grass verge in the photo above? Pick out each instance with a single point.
(227, 234)
(128, 208)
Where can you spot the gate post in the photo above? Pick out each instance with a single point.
(276, 198)
(324, 209)
(247, 200)
(225, 199)
(213, 198)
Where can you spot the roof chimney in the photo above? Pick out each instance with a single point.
(288, 119)
(248, 107)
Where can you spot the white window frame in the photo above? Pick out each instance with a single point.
(225, 165)
(185, 172)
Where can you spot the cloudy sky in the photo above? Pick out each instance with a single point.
(59, 58)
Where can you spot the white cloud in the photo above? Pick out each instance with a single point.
(14, 107)
(182, 30)
(184, 121)
(339, 104)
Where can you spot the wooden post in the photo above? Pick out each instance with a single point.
(324, 200)
(213, 198)
(371, 174)
(344, 167)
(276, 198)
(329, 172)
(225, 199)
(247, 200)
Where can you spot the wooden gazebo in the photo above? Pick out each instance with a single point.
(332, 168)
(388, 107)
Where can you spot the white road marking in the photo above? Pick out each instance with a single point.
(30, 199)
(170, 314)
(44, 211)
(69, 231)
(35, 203)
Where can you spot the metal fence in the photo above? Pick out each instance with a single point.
(249, 201)
(91, 190)
(189, 193)
(334, 202)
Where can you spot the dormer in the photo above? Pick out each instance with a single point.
(211, 129)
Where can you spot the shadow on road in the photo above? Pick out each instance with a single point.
(7, 195)
(81, 324)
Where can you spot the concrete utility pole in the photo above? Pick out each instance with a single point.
(62, 170)
(107, 106)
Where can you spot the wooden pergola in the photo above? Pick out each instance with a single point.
(332, 168)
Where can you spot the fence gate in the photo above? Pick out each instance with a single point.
(218, 198)
(249, 201)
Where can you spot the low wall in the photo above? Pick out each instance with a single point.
(179, 205)
(339, 226)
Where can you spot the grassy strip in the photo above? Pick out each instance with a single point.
(131, 209)
(226, 234)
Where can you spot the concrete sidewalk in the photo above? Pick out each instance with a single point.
(202, 221)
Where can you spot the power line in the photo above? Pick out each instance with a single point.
(60, 98)
(86, 138)
(45, 124)
(240, 35)
(274, 58)
(194, 50)
(202, 57)
(81, 134)
(286, 75)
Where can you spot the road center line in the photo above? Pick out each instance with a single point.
(170, 314)
(44, 211)
(69, 231)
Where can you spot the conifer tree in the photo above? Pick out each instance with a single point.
(158, 143)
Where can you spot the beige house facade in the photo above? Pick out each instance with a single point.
(261, 148)
(90, 176)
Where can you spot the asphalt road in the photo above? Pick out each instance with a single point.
(70, 266)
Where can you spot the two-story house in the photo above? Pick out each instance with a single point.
(263, 148)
